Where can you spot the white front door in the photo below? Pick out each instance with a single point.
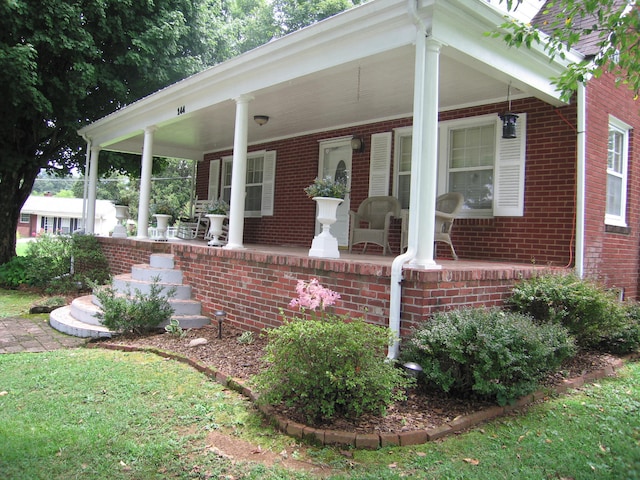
(335, 162)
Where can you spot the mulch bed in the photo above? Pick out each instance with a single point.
(419, 411)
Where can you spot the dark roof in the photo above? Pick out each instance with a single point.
(588, 44)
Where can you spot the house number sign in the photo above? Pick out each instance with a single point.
(181, 110)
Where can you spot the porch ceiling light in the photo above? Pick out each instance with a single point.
(357, 144)
(261, 119)
(508, 118)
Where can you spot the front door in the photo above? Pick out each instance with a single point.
(335, 162)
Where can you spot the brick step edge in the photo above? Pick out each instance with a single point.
(372, 441)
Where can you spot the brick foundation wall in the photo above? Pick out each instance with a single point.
(252, 287)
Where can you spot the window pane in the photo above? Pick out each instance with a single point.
(404, 184)
(472, 147)
(614, 160)
(253, 200)
(405, 154)
(476, 187)
(614, 195)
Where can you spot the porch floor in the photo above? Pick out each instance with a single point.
(374, 258)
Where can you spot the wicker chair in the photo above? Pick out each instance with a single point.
(370, 224)
(447, 208)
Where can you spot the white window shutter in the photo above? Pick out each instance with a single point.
(508, 200)
(380, 164)
(214, 179)
(268, 182)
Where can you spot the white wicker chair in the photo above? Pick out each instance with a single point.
(370, 224)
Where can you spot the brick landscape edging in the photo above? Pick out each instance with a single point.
(373, 441)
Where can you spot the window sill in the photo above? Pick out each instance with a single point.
(617, 229)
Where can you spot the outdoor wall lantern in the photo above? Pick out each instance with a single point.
(220, 314)
(261, 119)
(357, 144)
(508, 119)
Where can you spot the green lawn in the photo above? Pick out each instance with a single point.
(14, 302)
(97, 414)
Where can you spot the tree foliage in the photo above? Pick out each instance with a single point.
(66, 63)
(611, 28)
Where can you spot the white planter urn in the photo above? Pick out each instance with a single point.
(122, 213)
(163, 222)
(216, 222)
(325, 245)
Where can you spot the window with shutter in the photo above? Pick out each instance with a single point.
(260, 183)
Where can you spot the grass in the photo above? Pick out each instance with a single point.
(21, 248)
(102, 414)
(97, 414)
(14, 302)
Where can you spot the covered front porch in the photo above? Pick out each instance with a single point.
(252, 285)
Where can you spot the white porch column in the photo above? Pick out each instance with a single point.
(425, 158)
(91, 193)
(145, 183)
(238, 174)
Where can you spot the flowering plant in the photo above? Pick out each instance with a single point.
(218, 207)
(312, 295)
(327, 187)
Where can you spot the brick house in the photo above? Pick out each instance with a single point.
(423, 89)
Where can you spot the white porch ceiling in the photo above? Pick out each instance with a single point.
(365, 73)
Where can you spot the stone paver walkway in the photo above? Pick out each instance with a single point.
(19, 334)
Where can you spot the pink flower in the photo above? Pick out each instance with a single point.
(312, 295)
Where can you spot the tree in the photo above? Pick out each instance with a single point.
(64, 63)
(610, 29)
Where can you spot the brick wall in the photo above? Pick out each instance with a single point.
(611, 255)
(252, 287)
(543, 236)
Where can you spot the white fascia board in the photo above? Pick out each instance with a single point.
(460, 23)
(365, 30)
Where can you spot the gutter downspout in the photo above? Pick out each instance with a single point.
(580, 178)
(395, 291)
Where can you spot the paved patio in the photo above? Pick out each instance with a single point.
(18, 334)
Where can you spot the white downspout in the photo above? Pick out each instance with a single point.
(580, 179)
(395, 291)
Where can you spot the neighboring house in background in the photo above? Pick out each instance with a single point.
(59, 215)
(422, 87)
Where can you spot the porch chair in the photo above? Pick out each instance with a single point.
(447, 207)
(370, 224)
(198, 225)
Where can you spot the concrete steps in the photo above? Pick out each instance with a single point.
(80, 318)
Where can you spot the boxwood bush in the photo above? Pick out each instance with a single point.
(591, 313)
(325, 368)
(488, 353)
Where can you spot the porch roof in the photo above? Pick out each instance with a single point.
(356, 67)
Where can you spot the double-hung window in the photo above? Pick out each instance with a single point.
(471, 153)
(473, 160)
(617, 160)
(259, 186)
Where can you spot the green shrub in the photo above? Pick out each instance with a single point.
(49, 257)
(328, 368)
(58, 264)
(138, 313)
(626, 339)
(14, 273)
(589, 312)
(494, 354)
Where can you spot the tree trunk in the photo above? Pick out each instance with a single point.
(15, 187)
